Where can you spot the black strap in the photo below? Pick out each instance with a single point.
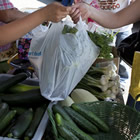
(128, 46)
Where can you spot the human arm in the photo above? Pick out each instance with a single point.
(132, 1)
(108, 19)
(9, 15)
(8, 12)
(53, 12)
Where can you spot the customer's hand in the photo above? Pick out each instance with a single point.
(55, 12)
(80, 9)
(132, 1)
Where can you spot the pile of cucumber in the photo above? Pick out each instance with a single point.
(21, 108)
(75, 123)
(18, 122)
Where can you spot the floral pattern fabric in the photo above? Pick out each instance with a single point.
(23, 48)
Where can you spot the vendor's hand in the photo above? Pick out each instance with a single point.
(80, 9)
(132, 1)
(56, 12)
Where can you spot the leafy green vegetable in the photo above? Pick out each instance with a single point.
(102, 41)
(68, 29)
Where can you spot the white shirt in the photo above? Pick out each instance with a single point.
(113, 6)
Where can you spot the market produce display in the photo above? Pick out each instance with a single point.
(16, 124)
(100, 120)
(103, 82)
(27, 98)
(4, 85)
(102, 40)
(21, 108)
(75, 123)
(75, 118)
(21, 88)
(82, 95)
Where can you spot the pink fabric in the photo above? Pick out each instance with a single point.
(5, 4)
(94, 4)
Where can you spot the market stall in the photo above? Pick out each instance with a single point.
(25, 106)
(76, 94)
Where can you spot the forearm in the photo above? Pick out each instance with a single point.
(10, 15)
(115, 20)
(54, 12)
(20, 27)
(104, 18)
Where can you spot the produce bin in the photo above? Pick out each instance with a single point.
(43, 123)
(123, 125)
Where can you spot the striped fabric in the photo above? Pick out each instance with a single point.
(5, 4)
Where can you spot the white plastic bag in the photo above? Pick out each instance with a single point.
(61, 60)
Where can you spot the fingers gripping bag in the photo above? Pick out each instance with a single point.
(61, 57)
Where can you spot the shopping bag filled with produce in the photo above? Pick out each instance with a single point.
(61, 57)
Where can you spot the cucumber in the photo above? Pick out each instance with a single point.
(7, 119)
(35, 122)
(58, 109)
(81, 121)
(53, 124)
(66, 134)
(4, 108)
(91, 117)
(19, 110)
(6, 84)
(75, 130)
(21, 88)
(21, 124)
(27, 98)
(8, 128)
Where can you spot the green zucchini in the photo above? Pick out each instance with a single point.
(66, 134)
(91, 117)
(21, 88)
(35, 122)
(81, 121)
(7, 119)
(4, 108)
(19, 110)
(53, 123)
(75, 130)
(21, 124)
(6, 84)
(27, 98)
(59, 109)
(8, 128)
